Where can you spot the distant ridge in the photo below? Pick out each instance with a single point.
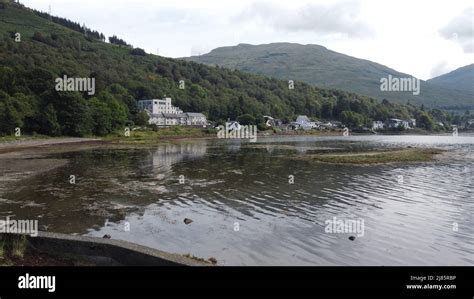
(321, 67)
(460, 79)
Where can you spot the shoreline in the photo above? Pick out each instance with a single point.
(28, 143)
(10, 146)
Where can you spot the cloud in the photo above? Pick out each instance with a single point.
(461, 30)
(440, 68)
(339, 18)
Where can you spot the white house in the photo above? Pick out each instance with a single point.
(196, 119)
(469, 123)
(272, 122)
(156, 106)
(377, 125)
(305, 123)
(302, 119)
(397, 123)
(163, 113)
(233, 126)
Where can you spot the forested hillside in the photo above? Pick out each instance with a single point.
(35, 50)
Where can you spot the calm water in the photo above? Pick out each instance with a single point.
(424, 219)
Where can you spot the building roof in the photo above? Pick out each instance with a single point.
(195, 114)
(150, 100)
(174, 115)
(169, 115)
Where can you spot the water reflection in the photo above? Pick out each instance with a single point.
(408, 222)
(166, 155)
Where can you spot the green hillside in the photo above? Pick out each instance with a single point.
(460, 79)
(324, 68)
(48, 50)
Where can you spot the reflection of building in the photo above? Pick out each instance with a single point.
(167, 155)
(163, 113)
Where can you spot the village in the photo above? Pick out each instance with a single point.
(163, 113)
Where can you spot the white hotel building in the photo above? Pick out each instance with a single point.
(163, 113)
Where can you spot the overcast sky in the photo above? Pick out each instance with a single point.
(421, 38)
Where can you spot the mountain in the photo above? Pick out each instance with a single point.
(37, 49)
(324, 68)
(460, 79)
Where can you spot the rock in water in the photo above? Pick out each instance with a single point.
(187, 221)
(106, 237)
(352, 238)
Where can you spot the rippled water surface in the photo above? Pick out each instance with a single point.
(414, 214)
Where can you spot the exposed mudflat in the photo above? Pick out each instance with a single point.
(24, 158)
(9, 146)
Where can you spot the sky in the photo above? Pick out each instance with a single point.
(423, 38)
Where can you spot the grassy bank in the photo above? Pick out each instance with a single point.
(160, 135)
(378, 157)
(15, 251)
(13, 138)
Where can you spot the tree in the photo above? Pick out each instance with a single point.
(138, 52)
(101, 117)
(352, 119)
(37, 36)
(425, 121)
(197, 91)
(117, 41)
(141, 119)
(7, 79)
(9, 116)
(73, 114)
(14, 110)
(326, 110)
(48, 121)
(246, 119)
(118, 110)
